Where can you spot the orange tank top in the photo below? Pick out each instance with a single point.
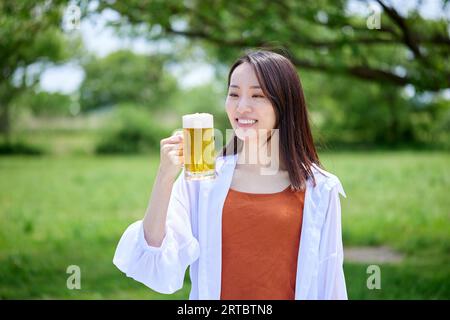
(260, 242)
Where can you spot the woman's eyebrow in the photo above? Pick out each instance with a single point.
(252, 87)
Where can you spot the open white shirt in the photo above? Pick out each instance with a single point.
(194, 236)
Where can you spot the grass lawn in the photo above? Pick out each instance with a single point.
(57, 211)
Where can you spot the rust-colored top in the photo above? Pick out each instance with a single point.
(260, 242)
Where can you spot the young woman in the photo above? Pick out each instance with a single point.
(264, 229)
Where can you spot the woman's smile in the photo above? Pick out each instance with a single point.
(245, 123)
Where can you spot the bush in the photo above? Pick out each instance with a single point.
(131, 130)
(19, 148)
(46, 104)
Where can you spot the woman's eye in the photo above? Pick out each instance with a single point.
(254, 96)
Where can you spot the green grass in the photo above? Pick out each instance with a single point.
(57, 211)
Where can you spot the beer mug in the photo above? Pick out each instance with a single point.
(199, 151)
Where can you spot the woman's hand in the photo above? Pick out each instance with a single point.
(171, 154)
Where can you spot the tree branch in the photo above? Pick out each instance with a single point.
(409, 38)
(397, 33)
(361, 72)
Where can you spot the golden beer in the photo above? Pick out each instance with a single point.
(199, 152)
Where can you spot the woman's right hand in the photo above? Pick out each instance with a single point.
(171, 154)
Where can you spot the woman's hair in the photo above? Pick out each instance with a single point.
(281, 84)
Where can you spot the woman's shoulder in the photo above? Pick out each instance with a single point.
(327, 179)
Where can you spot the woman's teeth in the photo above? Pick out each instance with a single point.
(246, 121)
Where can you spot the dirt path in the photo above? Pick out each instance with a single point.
(380, 255)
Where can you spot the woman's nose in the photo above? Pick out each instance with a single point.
(243, 105)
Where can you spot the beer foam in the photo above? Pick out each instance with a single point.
(198, 120)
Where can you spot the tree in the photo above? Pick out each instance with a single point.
(30, 36)
(47, 104)
(124, 76)
(319, 35)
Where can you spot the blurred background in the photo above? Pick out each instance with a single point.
(88, 89)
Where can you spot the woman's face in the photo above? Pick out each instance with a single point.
(246, 101)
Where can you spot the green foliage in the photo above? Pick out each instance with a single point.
(320, 35)
(202, 98)
(347, 112)
(437, 124)
(131, 130)
(30, 34)
(45, 103)
(127, 77)
(17, 148)
(209, 98)
(31, 31)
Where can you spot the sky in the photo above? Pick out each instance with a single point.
(101, 40)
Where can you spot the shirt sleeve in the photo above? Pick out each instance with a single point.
(161, 268)
(331, 279)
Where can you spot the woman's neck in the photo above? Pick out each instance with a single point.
(258, 157)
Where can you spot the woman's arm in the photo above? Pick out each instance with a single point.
(155, 217)
(167, 224)
(331, 279)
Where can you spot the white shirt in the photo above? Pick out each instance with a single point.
(194, 236)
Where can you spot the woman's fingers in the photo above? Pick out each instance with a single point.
(176, 152)
(171, 153)
(178, 133)
(172, 139)
(172, 146)
(176, 156)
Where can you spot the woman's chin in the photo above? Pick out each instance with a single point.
(246, 134)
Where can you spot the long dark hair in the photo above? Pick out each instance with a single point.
(281, 84)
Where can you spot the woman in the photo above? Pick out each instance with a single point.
(264, 229)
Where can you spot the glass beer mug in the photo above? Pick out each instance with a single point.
(199, 151)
